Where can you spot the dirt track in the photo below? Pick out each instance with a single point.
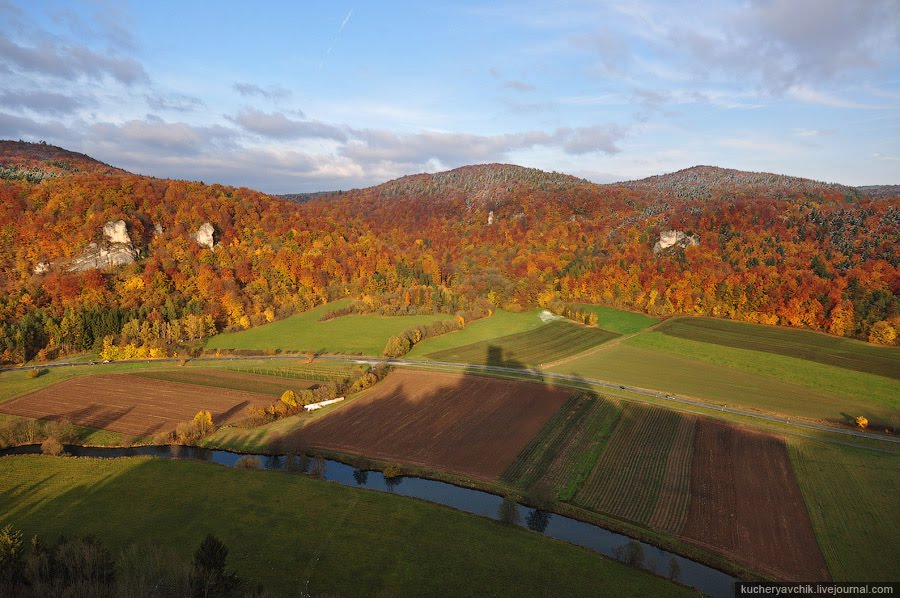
(131, 405)
(460, 423)
(746, 503)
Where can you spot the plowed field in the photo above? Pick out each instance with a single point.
(746, 503)
(132, 405)
(460, 423)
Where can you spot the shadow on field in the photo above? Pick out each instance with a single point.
(468, 423)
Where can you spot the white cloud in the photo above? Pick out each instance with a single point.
(811, 96)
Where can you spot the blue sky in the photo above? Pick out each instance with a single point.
(291, 96)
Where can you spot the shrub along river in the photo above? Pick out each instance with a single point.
(692, 573)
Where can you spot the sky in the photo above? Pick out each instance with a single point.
(307, 96)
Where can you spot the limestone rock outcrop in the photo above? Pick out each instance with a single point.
(205, 235)
(115, 250)
(674, 238)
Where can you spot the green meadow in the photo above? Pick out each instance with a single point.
(301, 536)
(355, 334)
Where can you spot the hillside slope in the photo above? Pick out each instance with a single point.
(468, 239)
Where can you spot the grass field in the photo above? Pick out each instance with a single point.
(298, 535)
(838, 391)
(553, 340)
(354, 334)
(851, 495)
(619, 321)
(803, 344)
(501, 323)
(563, 452)
(742, 378)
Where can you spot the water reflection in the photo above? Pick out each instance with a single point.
(538, 521)
(360, 476)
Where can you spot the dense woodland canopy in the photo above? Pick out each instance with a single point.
(772, 249)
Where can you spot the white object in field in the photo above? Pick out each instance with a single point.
(320, 404)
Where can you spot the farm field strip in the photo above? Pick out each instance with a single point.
(577, 456)
(532, 463)
(839, 390)
(130, 404)
(687, 376)
(802, 344)
(675, 492)
(551, 341)
(466, 424)
(746, 502)
(500, 323)
(848, 493)
(564, 451)
(627, 478)
(229, 379)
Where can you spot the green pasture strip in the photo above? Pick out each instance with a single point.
(838, 391)
(577, 458)
(355, 334)
(718, 384)
(529, 349)
(852, 498)
(627, 478)
(802, 344)
(501, 323)
(619, 321)
(298, 535)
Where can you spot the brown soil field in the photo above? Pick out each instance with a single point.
(746, 503)
(130, 404)
(465, 424)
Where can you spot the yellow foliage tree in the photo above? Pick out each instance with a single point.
(882, 333)
(203, 423)
(862, 422)
(289, 398)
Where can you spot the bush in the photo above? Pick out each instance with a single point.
(392, 471)
(37, 372)
(52, 446)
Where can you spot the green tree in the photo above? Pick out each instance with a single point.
(12, 558)
(208, 577)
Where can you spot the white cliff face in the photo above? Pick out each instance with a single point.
(205, 235)
(115, 250)
(673, 238)
(116, 231)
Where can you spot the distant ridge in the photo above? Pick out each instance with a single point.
(37, 161)
(477, 178)
(699, 180)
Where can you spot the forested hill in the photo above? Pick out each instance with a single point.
(203, 258)
(37, 161)
(706, 181)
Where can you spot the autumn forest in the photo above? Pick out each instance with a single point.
(755, 247)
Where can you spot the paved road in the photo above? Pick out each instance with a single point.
(545, 376)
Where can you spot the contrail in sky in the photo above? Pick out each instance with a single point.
(334, 41)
